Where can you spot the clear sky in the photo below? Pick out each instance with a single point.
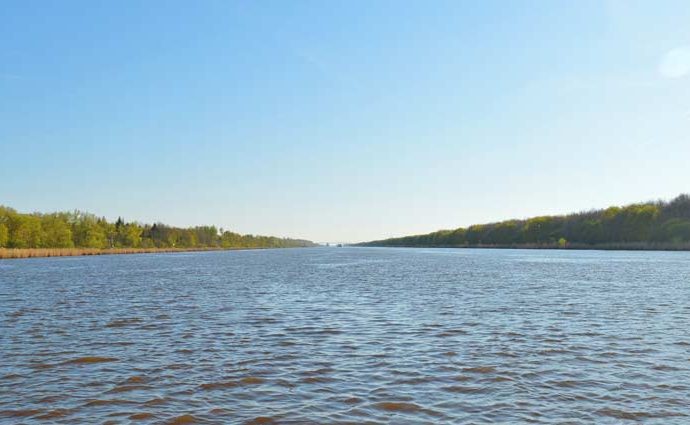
(342, 120)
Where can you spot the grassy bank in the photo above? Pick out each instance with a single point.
(7, 253)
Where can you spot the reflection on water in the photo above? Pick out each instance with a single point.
(347, 335)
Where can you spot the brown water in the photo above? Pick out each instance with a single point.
(350, 335)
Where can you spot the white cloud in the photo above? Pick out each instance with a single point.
(675, 63)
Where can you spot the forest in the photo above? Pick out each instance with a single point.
(83, 230)
(649, 225)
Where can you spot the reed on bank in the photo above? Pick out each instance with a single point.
(7, 253)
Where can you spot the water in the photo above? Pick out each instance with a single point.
(349, 335)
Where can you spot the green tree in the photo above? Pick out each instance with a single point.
(540, 230)
(505, 233)
(4, 235)
(57, 232)
(474, 234)
(131, 235)
(457, 237)
(676, 230)
(25, 231)
(88, 232)
(633, 224)
(127, 235)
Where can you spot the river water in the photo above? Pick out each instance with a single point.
(347, 335)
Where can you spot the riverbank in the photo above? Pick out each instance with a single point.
(10, 253)
(629, 246)
(657, 226)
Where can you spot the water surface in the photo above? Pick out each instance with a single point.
(347, 335)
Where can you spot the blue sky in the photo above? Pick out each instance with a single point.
(342, 121)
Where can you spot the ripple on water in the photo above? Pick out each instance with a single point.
(156, 401)
(137, 379)
(463, 389)
(183, 420)
(91, 360)
(41, 366)
(262, 337)
(141, 416)
(55, 413)
(252, 380)
(393, 406)
(261, 420)
(452, 333)
(317, 379)
(121, 323)
(218, 385)
(480, 369)
(20, 413)
(128, 388)
(108, 402)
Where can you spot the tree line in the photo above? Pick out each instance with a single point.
(83, 230)
(644, 225)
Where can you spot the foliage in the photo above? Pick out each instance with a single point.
(4, 235)
(645, 223)
(83, 230)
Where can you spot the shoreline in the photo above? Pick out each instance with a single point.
(22, 253)
(570, 247)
